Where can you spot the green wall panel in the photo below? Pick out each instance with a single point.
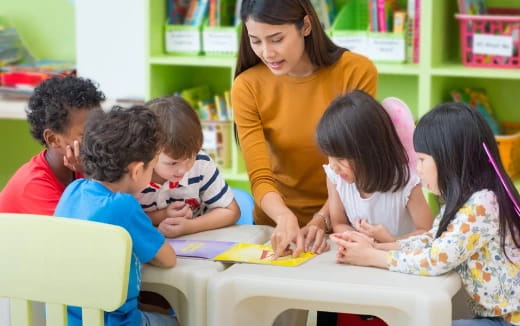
(46, 27)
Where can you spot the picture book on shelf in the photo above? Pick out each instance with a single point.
(226, 251)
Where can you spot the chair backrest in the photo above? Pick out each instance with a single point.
(247, 204)
(62, 261)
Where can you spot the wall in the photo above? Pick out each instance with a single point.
(111, 45)
(46, 27)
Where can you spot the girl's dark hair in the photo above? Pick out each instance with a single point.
(181, 126)
(115, 139)
(320, 49)
(453, 133)
(55, 98)
(357, 128)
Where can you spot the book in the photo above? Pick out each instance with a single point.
(226, 251)
(260, 254)
(199, 248)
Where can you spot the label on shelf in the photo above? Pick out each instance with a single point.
(182, 41)
(210, 139)
(386, 49)
(220, 41)
(355, 43)
(493, 44)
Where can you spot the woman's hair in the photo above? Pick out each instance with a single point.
(452, 134)
(114, 139)
(55, 98)
(181, 125)
(320, 49)
(355, 127)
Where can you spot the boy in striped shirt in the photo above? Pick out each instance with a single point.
(187, 193)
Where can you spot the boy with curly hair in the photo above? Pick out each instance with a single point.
(56, 113)
(119, 152)
(187, 193)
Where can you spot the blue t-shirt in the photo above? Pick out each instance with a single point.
(90, 200)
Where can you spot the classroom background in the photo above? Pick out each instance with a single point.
(136, 50)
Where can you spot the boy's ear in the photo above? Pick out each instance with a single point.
(307, 26)
(134, 169)
(51, 138)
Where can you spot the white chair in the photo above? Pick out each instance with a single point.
(62, 261)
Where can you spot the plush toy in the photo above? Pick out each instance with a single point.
(404, 125)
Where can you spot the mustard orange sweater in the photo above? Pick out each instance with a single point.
(276, 118)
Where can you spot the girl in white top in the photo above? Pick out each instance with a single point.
(370, 186)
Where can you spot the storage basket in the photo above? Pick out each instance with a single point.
(490, 40)
(220, 40)
(509, 148)
(217, 141)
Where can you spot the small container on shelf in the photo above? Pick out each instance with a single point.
(222, 40)
(351, 31)
(490, 40)
(509, 148)
(183, 39)
(217, 141)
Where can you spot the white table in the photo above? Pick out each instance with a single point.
(185, 285)
(248, 294)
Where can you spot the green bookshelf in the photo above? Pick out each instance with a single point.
(421, 86)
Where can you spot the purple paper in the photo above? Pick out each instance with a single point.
(199, 248)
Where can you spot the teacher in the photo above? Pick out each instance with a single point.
(288, 71)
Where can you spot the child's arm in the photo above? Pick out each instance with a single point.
(338, 218)
(165, 257)
(216, 218)
(419, 211)
(177, 208)
(157, 216)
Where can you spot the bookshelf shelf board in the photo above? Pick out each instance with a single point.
(199, 61)
(458, 70)
(397, 69)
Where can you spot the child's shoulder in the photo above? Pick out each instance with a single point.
(204, 162)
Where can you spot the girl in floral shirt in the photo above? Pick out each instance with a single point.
(477, 232)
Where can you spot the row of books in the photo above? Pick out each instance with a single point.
(195, 12)
(472, 7)
(208, 107)
(227, 12)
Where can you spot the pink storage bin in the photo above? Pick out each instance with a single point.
(499, 22)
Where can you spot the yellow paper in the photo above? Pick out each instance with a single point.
(260, 254)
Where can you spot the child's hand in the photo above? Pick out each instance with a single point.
(353, 247)
(172, 227)
(377, 231)
(179, 209)
(71, 158)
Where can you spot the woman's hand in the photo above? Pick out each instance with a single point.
(315, 240)
(287, 231)
(377, 231)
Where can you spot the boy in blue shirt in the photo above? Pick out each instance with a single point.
(119, 152)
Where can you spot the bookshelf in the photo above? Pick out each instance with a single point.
(421, 85)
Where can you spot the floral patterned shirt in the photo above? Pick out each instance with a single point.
(470, 246)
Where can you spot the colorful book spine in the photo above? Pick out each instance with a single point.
(381, 16)
(417, 32)
(373, 16)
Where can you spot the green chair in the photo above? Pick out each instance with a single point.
(60, 262)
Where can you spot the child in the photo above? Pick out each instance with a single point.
(187, 193)
(57, 112)
(371, 188)
(119, 152)
(477, 232)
